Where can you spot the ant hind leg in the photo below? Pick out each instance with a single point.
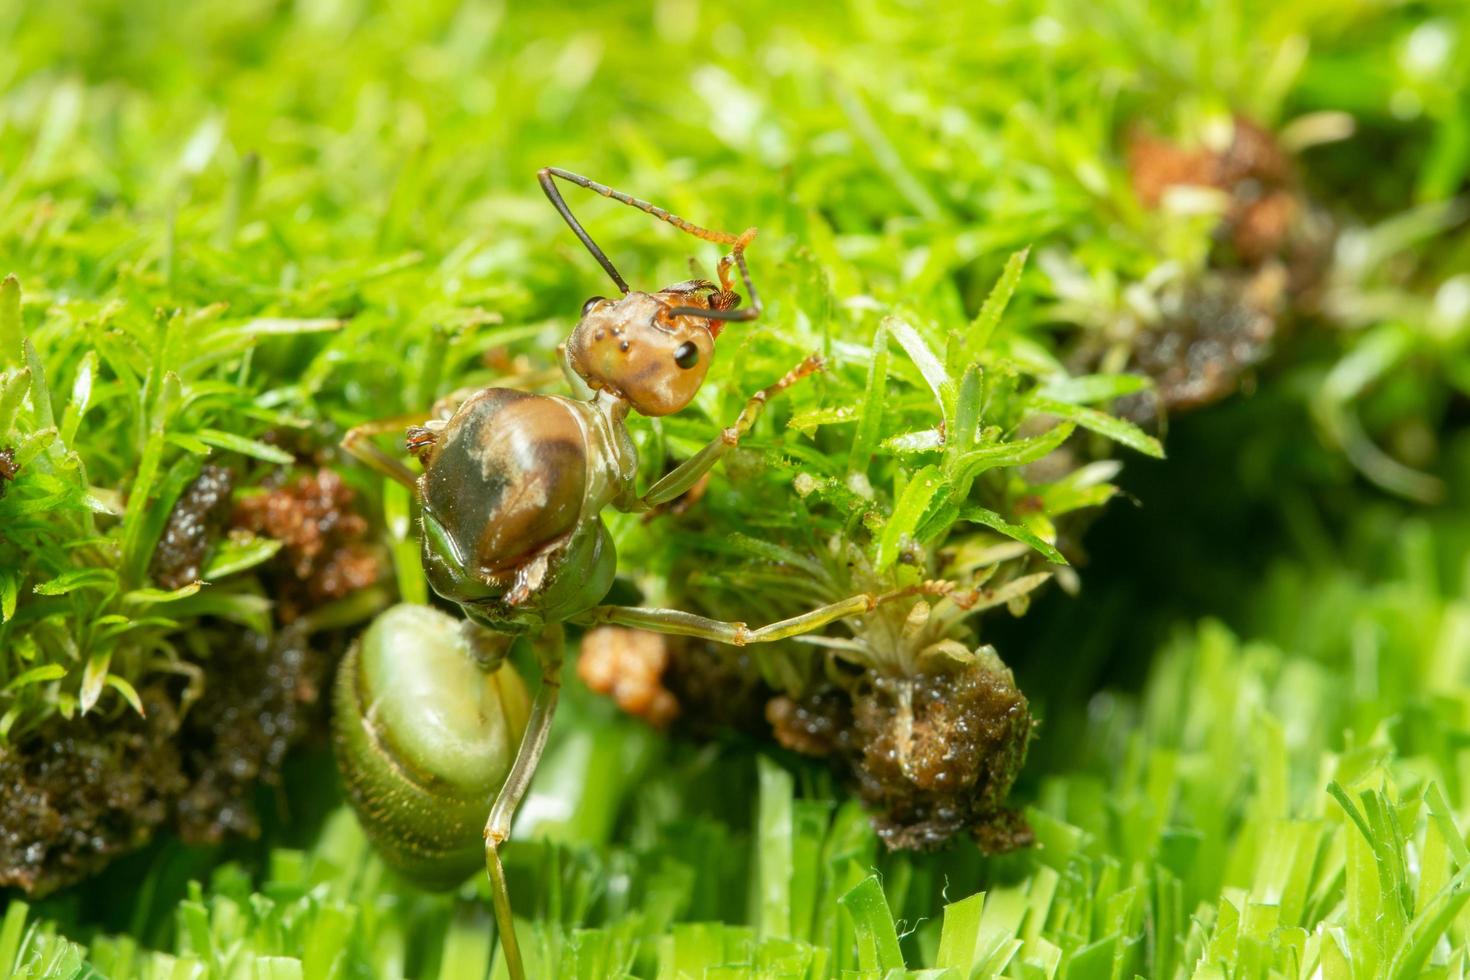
(550, 648)
(679, 623)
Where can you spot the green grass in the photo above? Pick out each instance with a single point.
(233, 219)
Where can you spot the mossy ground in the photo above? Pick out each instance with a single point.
(239, 228)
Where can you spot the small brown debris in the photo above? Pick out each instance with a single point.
(719, 688)
(1155, 165)
(815, 725)
(1263, 226)
(628, 665)
(259, 700)
(324, 556)
(1252, 169)
(8, 468)
(77, 794)
(1210, 332)
(504, 361)
(937, 754)
(198, 518)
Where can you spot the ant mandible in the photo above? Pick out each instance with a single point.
(514, 484)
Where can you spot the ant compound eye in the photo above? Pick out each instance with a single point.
(594, 301)
(686, 355)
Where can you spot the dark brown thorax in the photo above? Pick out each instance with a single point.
(507, 476)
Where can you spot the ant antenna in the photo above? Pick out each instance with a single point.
(737, 242)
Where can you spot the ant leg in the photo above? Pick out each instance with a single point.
(358, 442)
(445, 406)
(550, 649)
(688, 473)
(737, 256)
(678, 623)
(679, 504)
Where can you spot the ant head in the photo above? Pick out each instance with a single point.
(651, 349)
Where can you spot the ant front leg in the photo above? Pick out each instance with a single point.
(678, 623)
(689, 472)
(358, 442)
(419, 428)
(550, 648)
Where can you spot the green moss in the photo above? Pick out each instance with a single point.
(237, 229)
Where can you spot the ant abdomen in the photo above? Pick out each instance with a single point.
(421, 780)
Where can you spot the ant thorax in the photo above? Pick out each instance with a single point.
(612, 458)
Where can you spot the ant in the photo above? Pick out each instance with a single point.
(514, 483)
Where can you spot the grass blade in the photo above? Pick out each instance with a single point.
(877, 936)
(1120, 431)
(995, 522)
(982, 328)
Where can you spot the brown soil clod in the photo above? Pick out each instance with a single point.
(324, 554)
(1209, 332)
(818, 724)
(79, 793)
(935, 754)
(627, 665)
(199, 517)
(8, 468)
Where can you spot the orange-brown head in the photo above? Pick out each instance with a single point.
(637, 348)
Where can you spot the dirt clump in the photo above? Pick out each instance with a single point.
(325, 555)
(79, 793)
(195, 523)
(818, 724)
(627, 665)
(935, 755)
(8, 468)
(1209, 332)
